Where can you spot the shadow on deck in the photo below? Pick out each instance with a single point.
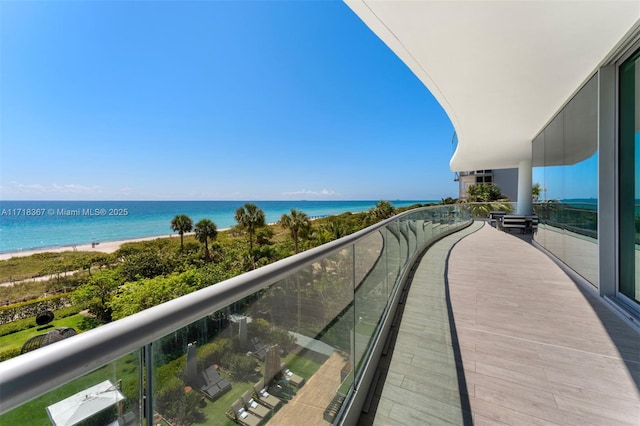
(494, 332)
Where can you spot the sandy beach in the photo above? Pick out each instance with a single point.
(100, 247)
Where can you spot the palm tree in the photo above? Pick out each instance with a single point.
(535, 192)
(382, 210)
(181, 224)
(298, 223)
(206, 230)
(250, 217)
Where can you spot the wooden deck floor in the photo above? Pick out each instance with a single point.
(518, 343)
(308, 405)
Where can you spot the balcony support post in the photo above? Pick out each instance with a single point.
(148, 385)
(524, 187)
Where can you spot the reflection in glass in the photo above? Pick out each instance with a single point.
(565, 164)
(109, 395)
(629, 184)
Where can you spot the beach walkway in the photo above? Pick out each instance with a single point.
(499, 334)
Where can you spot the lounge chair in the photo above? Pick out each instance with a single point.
(243, 416)
(262, 396)
(259, 348)
(215, 377)
(254, 407)
(291, 377)
(213, 385)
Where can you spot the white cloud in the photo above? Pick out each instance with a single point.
(75, 189)
(17, 188)
(324, 192)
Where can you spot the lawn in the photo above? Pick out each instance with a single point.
(25, 267)
(215, 411)
(16, 340)
(34, 412)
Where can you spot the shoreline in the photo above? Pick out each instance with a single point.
(99, 247)
(112, 246)
(106, 246)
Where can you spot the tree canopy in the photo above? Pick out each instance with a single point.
(181, 224)
(485, 193)
(206, 230)
(97, 292)
(298, 223)
(488, 198)
(250, 217)
(383, 210)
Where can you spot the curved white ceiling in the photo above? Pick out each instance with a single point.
(500, 69)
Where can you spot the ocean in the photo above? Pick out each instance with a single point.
(29, 225)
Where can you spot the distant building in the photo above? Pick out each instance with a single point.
(506, 179)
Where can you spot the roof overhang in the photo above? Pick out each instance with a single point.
(500, 69)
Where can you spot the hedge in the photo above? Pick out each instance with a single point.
(24, 324)
(23, 310)
(9, 353)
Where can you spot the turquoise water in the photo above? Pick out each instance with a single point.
(27, 225)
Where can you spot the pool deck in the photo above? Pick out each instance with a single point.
(493, 332)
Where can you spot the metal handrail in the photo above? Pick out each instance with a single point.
(35, 373)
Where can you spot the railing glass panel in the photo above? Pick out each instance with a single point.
(284, 344)
(109, 394)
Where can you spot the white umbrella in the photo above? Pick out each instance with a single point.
(84, 404)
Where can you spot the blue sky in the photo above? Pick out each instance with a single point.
(111, 100)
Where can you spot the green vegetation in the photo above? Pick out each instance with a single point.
(484, 193)
(536, 189)
(143, 274)
(96, 293)
(56, 264)
(383, 210)
(24, 324)
(487, 198)
(15, 340)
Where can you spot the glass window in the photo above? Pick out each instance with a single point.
(629, 160)
(565, 165)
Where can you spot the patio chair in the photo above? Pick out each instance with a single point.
(216, 378)
(254, 407)
(213, 385)
(291, 377)
(259, 349)
(264, 397)
(244, 417)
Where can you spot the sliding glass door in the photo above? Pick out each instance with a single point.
(629, 184)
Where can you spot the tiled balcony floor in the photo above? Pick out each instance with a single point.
(529, 346)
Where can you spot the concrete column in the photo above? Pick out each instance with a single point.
(524, 187)
(608, 266)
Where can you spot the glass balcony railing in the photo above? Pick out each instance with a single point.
(284, 344)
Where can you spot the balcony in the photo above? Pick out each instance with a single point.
(506, 337)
